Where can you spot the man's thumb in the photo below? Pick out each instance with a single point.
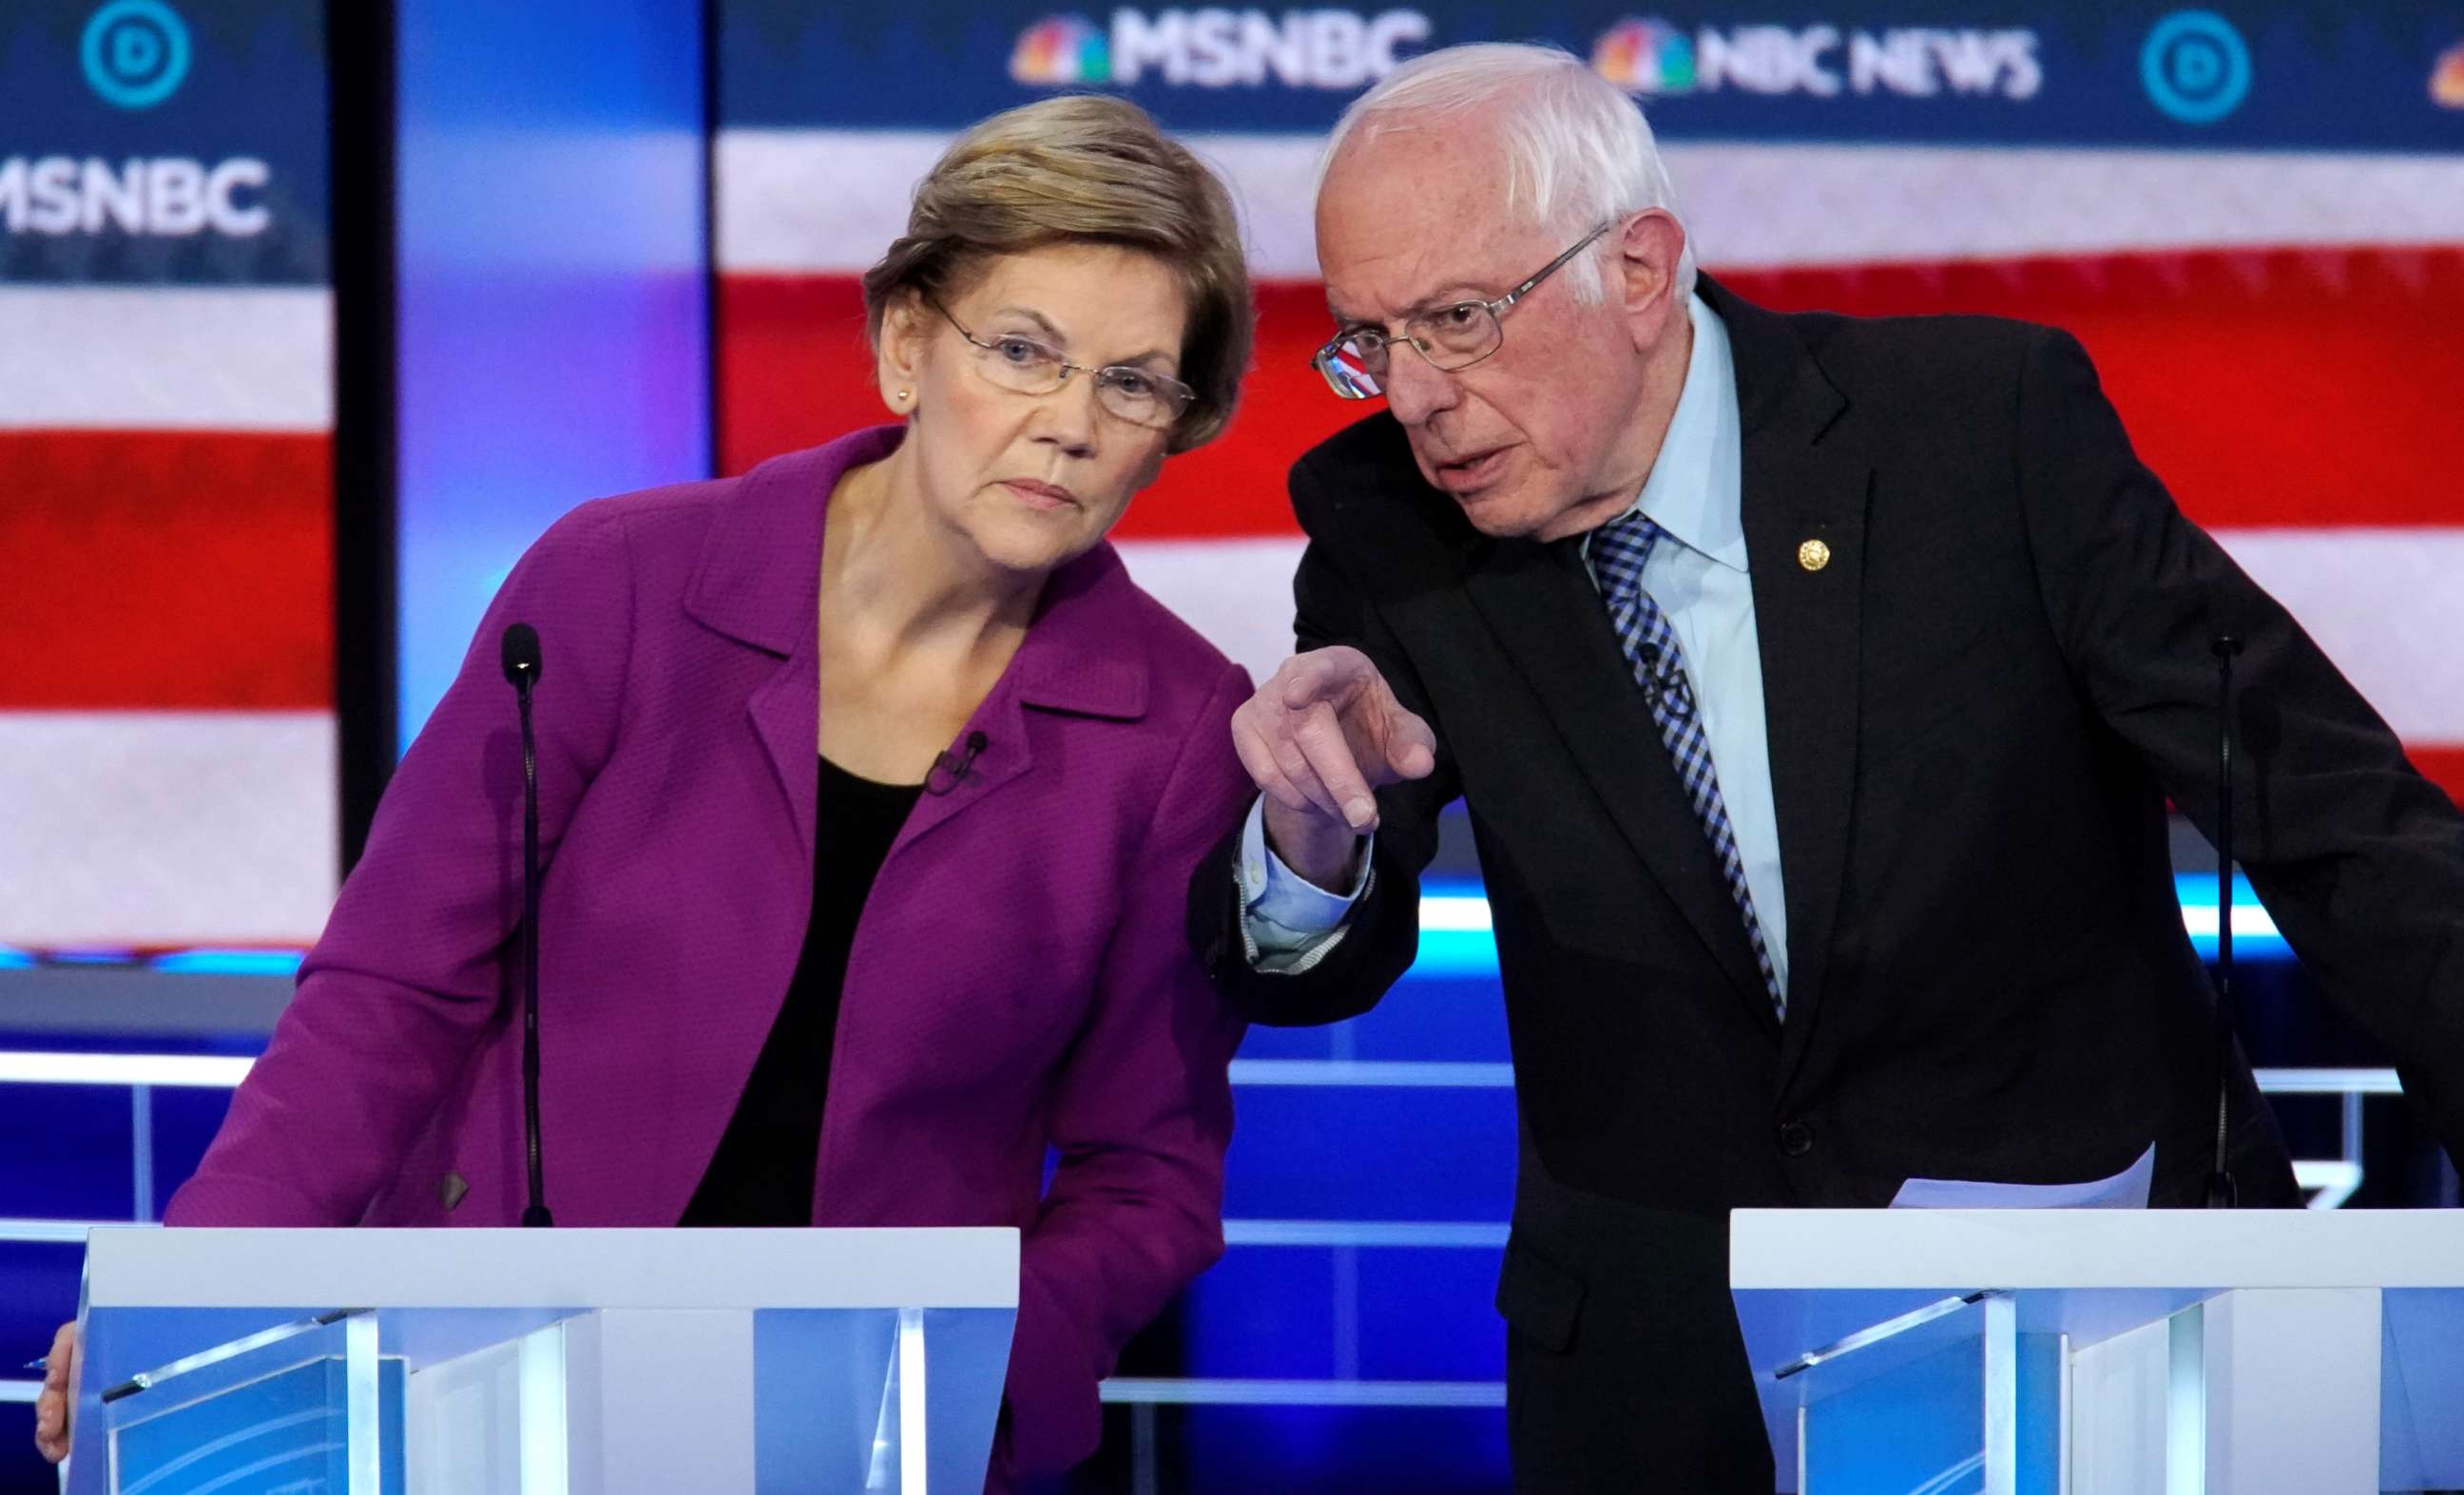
(1410, 747)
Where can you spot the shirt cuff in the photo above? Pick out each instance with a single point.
(1288, 922)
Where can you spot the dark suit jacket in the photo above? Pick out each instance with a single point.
(1977, 710)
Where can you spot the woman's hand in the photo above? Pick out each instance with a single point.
(52, 1407)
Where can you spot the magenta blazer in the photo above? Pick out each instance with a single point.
(1019, 979)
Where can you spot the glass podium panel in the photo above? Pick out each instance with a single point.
(2230, 1352)
(2119, 1388)
(891, 1401)
(532, 1362)
(306, 1407)
(1947, 1399)
(492, 1402)
(2421, 1386)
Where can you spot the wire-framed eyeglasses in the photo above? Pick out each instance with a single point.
(1018, 362)
(1450, 338)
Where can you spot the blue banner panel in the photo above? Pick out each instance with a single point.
(2316, 76)
(152, 142)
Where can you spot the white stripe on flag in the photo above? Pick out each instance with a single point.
(1776, 206)
(154, 828)
(2388, 606)
(172, 828)
(166, 357)
(1237, 592)
(2384, 603)
(831, 201)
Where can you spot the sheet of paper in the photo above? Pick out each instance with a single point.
(2126, 1189)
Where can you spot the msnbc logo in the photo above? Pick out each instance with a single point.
(1214, 46)
(1645, 57)
(1062, 49)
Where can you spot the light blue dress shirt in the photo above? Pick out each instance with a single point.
(1698, 576)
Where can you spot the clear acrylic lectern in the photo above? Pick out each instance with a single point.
(2107, 1351)
(486, 1362)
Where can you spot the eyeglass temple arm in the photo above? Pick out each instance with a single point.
(1549, 269)
(1500, 305)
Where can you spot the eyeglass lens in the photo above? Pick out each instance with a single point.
(1027, 366)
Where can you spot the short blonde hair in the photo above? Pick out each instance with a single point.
(1083, 169)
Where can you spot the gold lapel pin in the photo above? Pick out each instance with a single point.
(1813, 555)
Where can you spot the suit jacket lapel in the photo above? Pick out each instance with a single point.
(1807, 481)
(1540, 603)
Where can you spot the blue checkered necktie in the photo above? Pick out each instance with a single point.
(1618, 551)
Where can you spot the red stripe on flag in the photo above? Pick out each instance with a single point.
(793, 367)
(159, 570)
(2275, 387)
(2442, 765)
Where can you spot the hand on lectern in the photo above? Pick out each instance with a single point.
(52, 1408)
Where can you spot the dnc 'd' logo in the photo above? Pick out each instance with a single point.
(135, 53)
(1061, 49)
(2195, 66)
(1645, 57)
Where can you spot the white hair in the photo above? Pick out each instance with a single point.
(1578, 152)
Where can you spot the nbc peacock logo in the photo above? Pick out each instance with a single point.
(1645, 56)
(2447, 78)
(1061, 49)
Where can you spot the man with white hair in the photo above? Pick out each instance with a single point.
(1816, 685)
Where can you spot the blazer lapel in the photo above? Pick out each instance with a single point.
(1006, 754)
(759, 581)
(1807, 483)
(1080, 657)
(786, 712)
(1541, 604)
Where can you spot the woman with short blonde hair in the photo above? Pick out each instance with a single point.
(1092, 169)
(869, 788)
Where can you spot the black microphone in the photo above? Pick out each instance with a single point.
(520, 652)
(950, 772)
(2221, 1191)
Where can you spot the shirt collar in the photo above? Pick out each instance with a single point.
(1694, 491)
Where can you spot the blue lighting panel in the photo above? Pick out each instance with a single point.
(553, 326)
(229, 962)
(1347, 1312)
(1342, 1450)
(1301, 1153)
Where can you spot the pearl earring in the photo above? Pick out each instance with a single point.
(902, 397)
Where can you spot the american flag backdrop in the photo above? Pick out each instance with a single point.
(166, 722)
(2272, 293)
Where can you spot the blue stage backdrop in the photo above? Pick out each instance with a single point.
(2253, 214)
